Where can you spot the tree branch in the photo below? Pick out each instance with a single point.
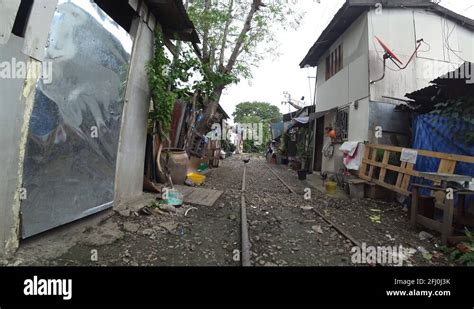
(224, 36)
(197, 51)
(205, 36)
(256, 4)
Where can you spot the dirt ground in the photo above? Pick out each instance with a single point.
(284, 229)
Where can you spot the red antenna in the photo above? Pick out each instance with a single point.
(388, 51)
(389, 54)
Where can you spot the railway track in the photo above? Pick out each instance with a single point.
(331, 223)
(245, 250)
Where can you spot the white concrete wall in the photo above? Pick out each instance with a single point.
(132, 144)
(347, 86)
(400, 29)
(11, 121)
(362, 62)
(351, 83)
(16, 100)
(359, 120)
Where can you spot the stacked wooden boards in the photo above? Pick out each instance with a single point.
(372, 165)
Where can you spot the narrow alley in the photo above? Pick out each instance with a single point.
(332, 140)
(284, 228)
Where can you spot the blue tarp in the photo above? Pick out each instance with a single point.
(440, 134)
(277, 129)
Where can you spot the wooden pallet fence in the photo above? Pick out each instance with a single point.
(405, 170)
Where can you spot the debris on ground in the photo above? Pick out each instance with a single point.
(284, 228)
(425, 236)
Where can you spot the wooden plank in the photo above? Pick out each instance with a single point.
(400, 175)
(199, 196)
(440, 206)
(428, 187)
(461, 205)
(363, 166)
(184, 190)
(447, 226)
(365, 177)
(429, 223)
(445, 177)
(7, 18)
(414, 206)
(405, 170)
(394, 168)
(426, 153)
(373, 156)
(356, 181)
(391, 187)
(407, 177)
(447, 166)
(383, 169)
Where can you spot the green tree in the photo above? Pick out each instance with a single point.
(256, 113)
(234, 35)
(265, 111)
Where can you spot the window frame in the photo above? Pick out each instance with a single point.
(334, 62)
(342, 123)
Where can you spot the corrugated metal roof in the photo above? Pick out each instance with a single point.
(174, 19)
(451, 84)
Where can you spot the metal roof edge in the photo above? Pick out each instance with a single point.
(363, 5)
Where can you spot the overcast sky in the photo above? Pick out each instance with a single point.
(276, 75)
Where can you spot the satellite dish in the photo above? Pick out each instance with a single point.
(389, 54)
(388, 51)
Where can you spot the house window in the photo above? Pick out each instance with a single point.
(334, 62)
(342, 124)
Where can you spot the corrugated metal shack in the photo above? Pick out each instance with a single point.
(75, 106)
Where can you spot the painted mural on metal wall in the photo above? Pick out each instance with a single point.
(70, 160)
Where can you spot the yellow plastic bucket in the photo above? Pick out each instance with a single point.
(196, 178)
(331, 187)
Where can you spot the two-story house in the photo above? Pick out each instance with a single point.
(354, 93)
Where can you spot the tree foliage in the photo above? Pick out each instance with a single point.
(263, 111)
(455, 110)
(168, 78)
(255, 113)
(235, 34)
